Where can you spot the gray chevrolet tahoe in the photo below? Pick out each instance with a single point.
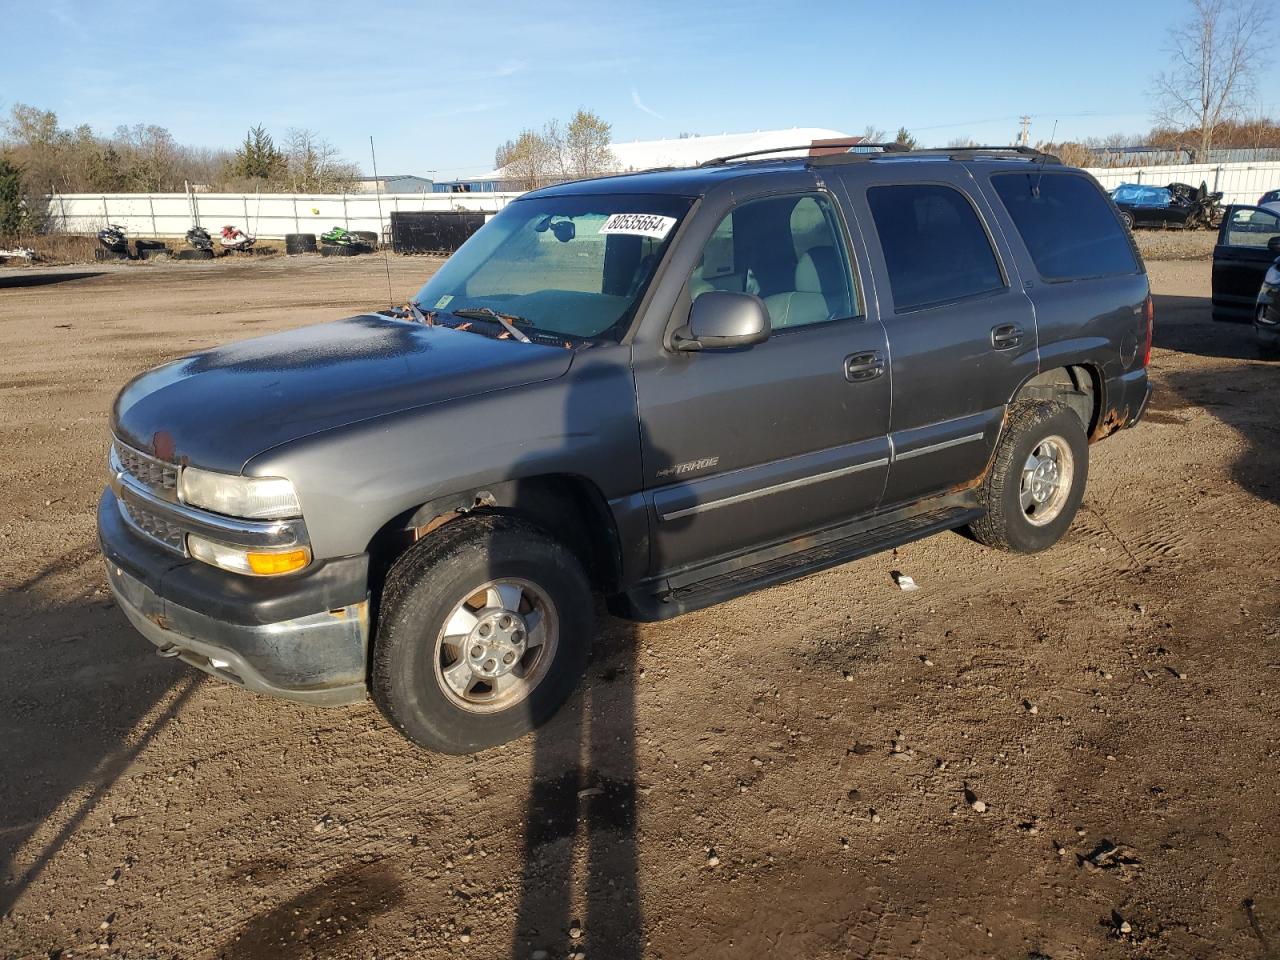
(668, 388)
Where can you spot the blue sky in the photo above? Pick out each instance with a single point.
(440, 85)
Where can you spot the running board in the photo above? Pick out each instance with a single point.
(692, 590)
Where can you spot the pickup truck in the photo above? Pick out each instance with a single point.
(668, 388)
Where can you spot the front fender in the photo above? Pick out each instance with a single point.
(353, 480)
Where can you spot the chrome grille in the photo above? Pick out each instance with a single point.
(156, 474)
(154, 526)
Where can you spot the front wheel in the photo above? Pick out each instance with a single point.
(1127, 219)
(485, 631)
(1036, 480)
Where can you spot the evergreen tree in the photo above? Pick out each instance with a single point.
(11, 207)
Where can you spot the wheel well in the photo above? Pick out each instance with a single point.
(1076, 385)
(570, 508)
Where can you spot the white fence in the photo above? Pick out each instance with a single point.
(1239, 182)
(267, 215)
(272, 215)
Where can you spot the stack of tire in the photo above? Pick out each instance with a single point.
(295, 243)
(149, 249)
(194, 254)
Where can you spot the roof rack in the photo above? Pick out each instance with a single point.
(951, 153)
(870, 148)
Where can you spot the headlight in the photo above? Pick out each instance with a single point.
(1272, 279)
(249, 498)
(258, 563)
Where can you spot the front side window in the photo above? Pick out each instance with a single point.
(1251, 227)
(1066, 224)
(935, 247)
(785, 250)
(574, 266)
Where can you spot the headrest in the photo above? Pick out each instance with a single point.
(818, 268)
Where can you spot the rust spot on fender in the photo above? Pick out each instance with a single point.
(1113, 421)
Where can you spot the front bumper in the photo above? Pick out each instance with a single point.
(304, 637)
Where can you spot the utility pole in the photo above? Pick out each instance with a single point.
(1026, 127)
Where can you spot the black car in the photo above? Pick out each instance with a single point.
(1246, 271)
(668, 388)
(1271, 196)
(1178, 205)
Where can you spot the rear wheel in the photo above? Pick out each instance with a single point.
(1036, 480)
(484, 632)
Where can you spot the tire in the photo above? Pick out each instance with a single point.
(102, 254)
(428, 588)
(1035, 429)
(339, 250)
(144, 245)
(370, 237)
(299, 243)
(1127, 219)
(153, 253)
(194, 255)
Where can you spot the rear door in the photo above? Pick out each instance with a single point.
(962, 334)
(1241, 258)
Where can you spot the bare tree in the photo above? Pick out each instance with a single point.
(314, 165)
(1215, 54)
(873, 134)
(529, 161)
(587, 139)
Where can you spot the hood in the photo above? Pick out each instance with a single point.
(220, 408)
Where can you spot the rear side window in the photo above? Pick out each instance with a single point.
(935, 247)
(1066, 224)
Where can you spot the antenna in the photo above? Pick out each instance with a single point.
(377, 192)
(1035, 191)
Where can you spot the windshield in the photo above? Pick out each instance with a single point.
(575, 266)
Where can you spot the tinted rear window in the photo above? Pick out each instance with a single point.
(935, 247)
(1067, 225)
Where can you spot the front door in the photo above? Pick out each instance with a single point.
(748, 447)
(961, 330)
(1241, 258)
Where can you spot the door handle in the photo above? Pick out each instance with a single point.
(1005, 336)
(863, 366)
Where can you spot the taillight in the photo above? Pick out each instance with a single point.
(1149, 308)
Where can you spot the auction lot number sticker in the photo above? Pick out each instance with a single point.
(639, 224)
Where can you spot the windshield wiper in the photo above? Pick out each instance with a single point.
(506, 320)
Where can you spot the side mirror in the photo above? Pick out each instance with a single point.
(1274, 245)
(722, 320)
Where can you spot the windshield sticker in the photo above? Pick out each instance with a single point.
(639, 224)
(444, 301)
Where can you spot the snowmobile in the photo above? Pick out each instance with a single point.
(113, 238)
(234, 239)
(198, 237)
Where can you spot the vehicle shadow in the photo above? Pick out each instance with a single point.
(43, 279)
(81, 690)
(1186, 324)
(1234, 401)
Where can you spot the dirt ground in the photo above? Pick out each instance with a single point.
(792, 774)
